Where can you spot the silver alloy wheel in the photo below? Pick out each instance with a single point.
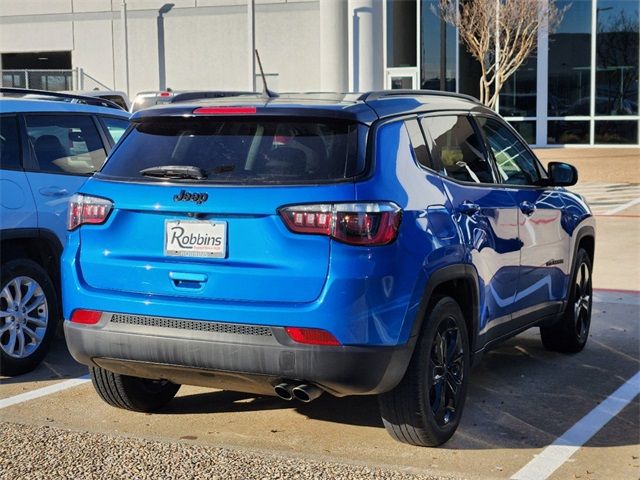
(24, 315)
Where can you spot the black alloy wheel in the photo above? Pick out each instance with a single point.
(446, 369)
(426, 406)
(570, 333)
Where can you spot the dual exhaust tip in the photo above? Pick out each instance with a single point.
(303, 392)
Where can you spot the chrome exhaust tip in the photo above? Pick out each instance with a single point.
(283, 390)
(306, 393)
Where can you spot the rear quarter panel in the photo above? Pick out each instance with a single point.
(427, 241)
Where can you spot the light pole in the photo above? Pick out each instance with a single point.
(251, 38)
(125, 42)
(166, 8)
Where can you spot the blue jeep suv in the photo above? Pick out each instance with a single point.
(47, 151)
(358, 244)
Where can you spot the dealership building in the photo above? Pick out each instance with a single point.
(580, 87)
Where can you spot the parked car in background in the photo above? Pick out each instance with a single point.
(116, 96)
(47, 151)
(363, 244)
(149, 99)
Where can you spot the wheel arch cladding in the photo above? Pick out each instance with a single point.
(460, 282)
(587, 240)
(40, 245)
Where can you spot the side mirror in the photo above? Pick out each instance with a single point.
(562, 174)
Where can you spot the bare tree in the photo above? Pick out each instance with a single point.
(500, 34)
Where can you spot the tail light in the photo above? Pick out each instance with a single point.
(84, 209)
(374, 223)
(86, 317)
(312, 336)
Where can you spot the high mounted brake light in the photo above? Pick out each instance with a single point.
(371, 223)
(84, 209)
(225, 111)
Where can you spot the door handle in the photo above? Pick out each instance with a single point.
(527, 208)
(188, 280)
(53, 191)
(468, 208)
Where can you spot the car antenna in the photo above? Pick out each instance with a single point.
(266, 92)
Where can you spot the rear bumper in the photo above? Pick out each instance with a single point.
(233, 357)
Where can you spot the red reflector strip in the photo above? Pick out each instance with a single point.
(87, 317)
(312, 336)
(165, 94)
(225, 110)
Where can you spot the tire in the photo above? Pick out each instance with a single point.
(29, 312)
(409, 411)
(570, 333)
(132, 393)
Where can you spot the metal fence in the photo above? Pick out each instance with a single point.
(53, 80)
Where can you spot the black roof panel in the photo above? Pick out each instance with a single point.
(361, 107)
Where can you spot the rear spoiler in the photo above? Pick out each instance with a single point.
(188, 96)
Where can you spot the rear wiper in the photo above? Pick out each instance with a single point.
(175, 171)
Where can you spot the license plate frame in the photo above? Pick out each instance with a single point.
(195, 238)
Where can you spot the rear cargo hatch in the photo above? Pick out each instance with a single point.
(219, 237)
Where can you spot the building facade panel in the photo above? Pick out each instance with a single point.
(580, 87)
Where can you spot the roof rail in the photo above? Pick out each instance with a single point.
(100, 102)
(377, 94)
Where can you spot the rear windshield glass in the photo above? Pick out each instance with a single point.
(264, 150)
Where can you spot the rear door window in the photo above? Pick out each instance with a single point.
(65, 143)
(458, 149)
(9, 143)
(264, 150)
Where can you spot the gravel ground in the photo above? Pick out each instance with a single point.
(49, 452)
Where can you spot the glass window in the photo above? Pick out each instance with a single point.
(470, 72)
(560, 132)
(401, 33)
(116, 127)
(456, 146)
(264, 150)
(570, 60)
(9, 143)
(417, 142)
(608, 131)
(438, 49)
(617, 57)
(516, 165)
(518, 94)
(402, 83)
(65, 143)
(526, 129)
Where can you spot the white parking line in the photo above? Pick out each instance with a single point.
(41, 392)
(619, 209)
(552, 457)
